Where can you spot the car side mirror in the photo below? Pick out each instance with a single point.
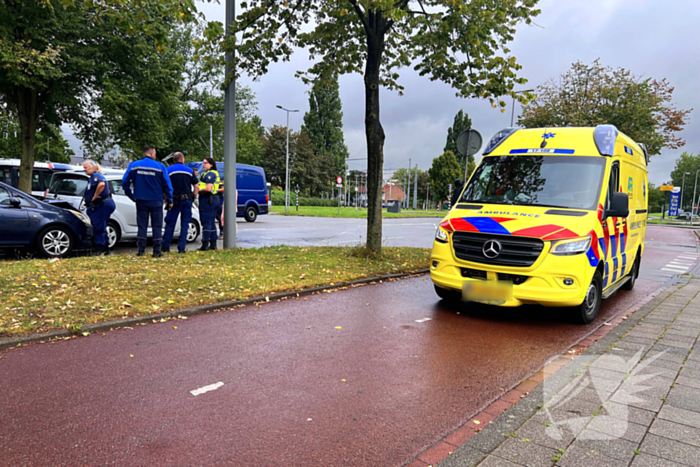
(619, 206)
(15, 203)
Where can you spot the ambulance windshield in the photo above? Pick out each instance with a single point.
(553, 181)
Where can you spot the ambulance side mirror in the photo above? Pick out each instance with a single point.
(619, 206)
(459, 184)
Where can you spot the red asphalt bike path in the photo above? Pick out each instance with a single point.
(407, 384)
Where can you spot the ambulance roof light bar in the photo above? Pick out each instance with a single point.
(605, 137)
(498, 138)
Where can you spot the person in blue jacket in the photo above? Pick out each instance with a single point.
(146, 182)
(185, 189)
(99, 203)
(208, 203)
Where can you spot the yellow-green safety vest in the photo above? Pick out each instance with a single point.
(203, 185)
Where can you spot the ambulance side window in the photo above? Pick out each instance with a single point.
(613, 184)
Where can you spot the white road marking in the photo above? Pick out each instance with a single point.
(204, 389)
(423, 320)
(686, 257)
(672, 270)
(681, 263)
(676, 267)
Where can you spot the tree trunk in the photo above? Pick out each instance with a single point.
(375, 142)
(28, 120)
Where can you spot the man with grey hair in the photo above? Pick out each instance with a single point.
(185, 189)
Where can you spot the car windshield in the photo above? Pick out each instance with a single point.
(69, 185)
(552, 181)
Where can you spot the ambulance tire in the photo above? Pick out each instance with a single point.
(447, 294)
(588, 310)
(634, 273)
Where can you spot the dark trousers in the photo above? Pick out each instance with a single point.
(182, 209)
(154, 210)
(207, 214)
(99, 216)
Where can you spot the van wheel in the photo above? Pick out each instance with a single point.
(55, 242)
(588, 310)
(447, 294)
(634, 273)
(251, 214)
(113, 234)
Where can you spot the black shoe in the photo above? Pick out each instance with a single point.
(141, 253)
(166, 250)
(157, 254)
(182, 251)
(204, 247)
(213, 246)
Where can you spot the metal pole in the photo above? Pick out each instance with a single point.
(683, 189)
(449, 197)
(286, 172)
(211, 144)
(692, 206)
(512, 114)
(230, 194)
(415, 189)
(427, 194)
(408, 186)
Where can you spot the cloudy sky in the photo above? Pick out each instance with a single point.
(651, 38)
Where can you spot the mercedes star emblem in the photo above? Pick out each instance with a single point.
(492, 249)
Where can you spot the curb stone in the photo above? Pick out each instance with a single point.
(9, 342)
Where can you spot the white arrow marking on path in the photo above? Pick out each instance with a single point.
(211, 387)
(423, 320)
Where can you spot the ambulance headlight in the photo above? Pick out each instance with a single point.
(572, 247)
(441, 235)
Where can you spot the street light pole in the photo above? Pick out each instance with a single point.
(230, 194)
(512, 112)
(286, 172)
(683, 188)
(692, 206)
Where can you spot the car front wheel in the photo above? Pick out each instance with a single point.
(192, 232)
(113, 235)
(55, 242)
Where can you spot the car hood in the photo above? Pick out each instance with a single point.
(522, 221)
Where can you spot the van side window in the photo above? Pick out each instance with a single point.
(613, 184)
(6, 175)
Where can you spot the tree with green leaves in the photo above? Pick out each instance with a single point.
(686, 163)
(443, 173)
(590, 95)
(324, 125)
(70, 62)
(50, 143)
(461, 123)
(460, 42)
(304, 165)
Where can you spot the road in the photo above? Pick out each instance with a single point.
(353, 377)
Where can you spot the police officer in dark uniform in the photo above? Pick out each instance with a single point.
(147, 183)
(208, 203)
(182, 179)
(99, 203)
(220, 209)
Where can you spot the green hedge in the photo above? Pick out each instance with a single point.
(278, 200)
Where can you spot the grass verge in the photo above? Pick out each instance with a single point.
(40, 295)
(322, 211)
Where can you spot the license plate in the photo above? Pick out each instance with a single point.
(489, 292)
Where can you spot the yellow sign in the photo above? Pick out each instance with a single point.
(666, 188)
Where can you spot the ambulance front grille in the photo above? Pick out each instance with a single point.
(515, 251)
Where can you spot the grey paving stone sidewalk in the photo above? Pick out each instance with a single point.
(632, 399)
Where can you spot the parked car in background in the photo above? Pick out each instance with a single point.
(69, 187)
(41, 175)
(252, 189)
(29, 223)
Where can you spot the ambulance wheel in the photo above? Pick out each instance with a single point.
(447, 295)
(588, 310)
(629, 285)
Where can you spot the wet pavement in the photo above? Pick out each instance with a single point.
(365, 376)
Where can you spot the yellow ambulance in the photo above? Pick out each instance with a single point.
(551, 216)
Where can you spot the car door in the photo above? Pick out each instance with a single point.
(125, 209)
(14, 220)
(612, 226)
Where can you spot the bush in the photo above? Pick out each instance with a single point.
(278, 200)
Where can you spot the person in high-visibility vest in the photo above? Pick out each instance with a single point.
(208, 203)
